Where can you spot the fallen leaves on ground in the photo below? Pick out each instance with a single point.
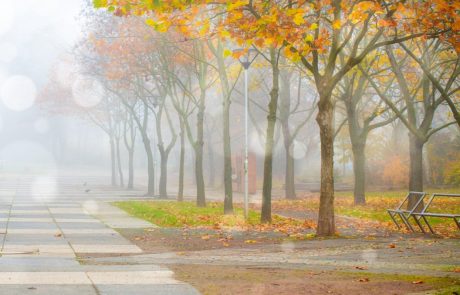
(206, 237)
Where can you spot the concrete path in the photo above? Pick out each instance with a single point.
(43, 230)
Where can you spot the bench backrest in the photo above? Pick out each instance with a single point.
(430, 200)
(419, 195)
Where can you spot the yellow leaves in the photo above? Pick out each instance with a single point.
(227, 52)
(232, 5)
(161, 26)
(223, 33)
(250, 242)
(309, 38)
(204, 28)
(337, 24)
(313, 26)
(298, 19)
(100, 3)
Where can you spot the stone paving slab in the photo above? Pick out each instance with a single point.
(162, 289)
(123, 249)
(48, 289)
(25, 219)
(76, 220)
(56, 249)
(45, 278)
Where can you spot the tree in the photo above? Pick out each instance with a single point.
(314, 33)
(421, 100)
(364, 113)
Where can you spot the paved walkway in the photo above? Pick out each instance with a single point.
(43, 233)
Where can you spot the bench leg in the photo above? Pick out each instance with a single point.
(457, 222)
(417, 220)
(394, 220)
(427, 223)
(406, 222)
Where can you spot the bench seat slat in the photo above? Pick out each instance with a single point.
(436, 214)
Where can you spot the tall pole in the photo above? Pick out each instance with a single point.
(246, 142)
(154, 161)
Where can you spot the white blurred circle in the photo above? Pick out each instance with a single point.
(44, 188)
(298, 150)
(41, 126)
(8, 52)
(87, 92)
(18, 93)
(91, 206)
(3, 75)
(7, 15)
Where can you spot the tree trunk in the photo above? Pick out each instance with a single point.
(284, 115)
(228, 190)
(113, 162)
(415, 168)
(326, 222)
(131, 168)
(212, 172)
(289, 180)
(200, 189)
(359, 166)
(266, 214)
(150, 165)
(180, 193)
(163, 174)
(120, 169)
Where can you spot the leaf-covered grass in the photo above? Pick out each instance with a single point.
(376, 206)
(178, 214)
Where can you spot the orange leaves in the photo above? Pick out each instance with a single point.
(337, 24)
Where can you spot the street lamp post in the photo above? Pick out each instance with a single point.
(246, 60)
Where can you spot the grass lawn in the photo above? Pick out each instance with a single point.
(178, 214)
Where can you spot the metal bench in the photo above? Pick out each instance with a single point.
(404, 214)
(422, 215)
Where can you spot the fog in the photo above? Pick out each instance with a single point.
(64, 113)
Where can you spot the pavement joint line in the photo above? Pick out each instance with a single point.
(9, 216)
(63, 235)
